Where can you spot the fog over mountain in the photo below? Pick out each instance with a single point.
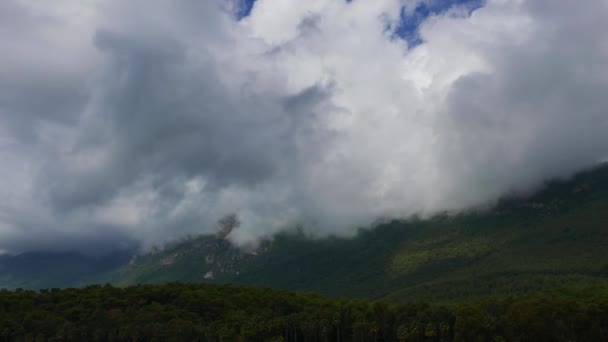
(127, 123)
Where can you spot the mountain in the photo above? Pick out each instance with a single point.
(54, 269)
(555, 238)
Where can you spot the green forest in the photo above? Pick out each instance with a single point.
(204, 312)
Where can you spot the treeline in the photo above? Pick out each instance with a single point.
(188, 312)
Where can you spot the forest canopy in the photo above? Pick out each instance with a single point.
(189, 312)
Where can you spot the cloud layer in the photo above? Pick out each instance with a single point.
(126, 123)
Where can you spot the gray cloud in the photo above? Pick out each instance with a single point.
(35, 85)
(539, 113)
(128, 123)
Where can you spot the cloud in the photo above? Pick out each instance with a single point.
(131, 123)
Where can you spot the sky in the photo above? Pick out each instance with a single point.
(125, 124)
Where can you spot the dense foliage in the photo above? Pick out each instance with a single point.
(180, 312)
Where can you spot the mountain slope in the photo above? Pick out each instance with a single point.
(556, 238)
(36, 270)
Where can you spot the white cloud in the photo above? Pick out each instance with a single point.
(147, 120)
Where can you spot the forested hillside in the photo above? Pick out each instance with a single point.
(181, 312)
(555, 238)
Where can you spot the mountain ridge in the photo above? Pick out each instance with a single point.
(550, 239)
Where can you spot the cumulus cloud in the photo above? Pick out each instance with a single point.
(130, 123)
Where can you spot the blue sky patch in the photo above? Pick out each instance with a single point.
(408, 27)
(244, 8)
